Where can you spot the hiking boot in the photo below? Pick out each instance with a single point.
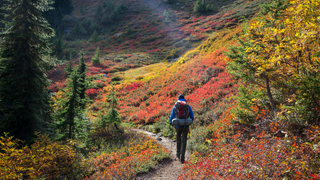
(178, 157)
(182, 159)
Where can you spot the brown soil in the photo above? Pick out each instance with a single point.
(169, 168)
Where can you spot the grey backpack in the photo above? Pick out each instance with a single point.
(182, 114)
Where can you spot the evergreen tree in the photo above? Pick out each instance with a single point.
(82, 11)
(201, 6)
(58, 47)
(79, 29)
(69, 121)
(61, 7)
(98, 13)
(65, 118)
(96, 58)
(94, 37)
(69, 69)
(82, 80)
(113, 115)
(23, 47)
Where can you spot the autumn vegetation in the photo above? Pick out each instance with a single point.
(249, 69)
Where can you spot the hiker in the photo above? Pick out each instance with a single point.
(181, 130)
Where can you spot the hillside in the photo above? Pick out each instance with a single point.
(249, 70)
(147, 31)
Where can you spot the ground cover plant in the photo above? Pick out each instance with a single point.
(125, 163)
(254, 90)
(133, 153)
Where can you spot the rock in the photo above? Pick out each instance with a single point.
(159, 139)
(174, 141)
(280, 133)
(153, 134)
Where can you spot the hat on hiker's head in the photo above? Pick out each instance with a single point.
(181, 96)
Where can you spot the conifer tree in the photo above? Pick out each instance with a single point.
(113, 116)
(96, 58)
(65, 119)
(82, 11)
(59, 46)
(68, 117)
(94, 37)
(82, 80)
(69, 69)
(23, 50)
(61, 7)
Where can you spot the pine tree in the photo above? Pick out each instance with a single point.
(69, 69)
(59, 47)
(96, 58)
(98, 13)
(65, 118)
(113, 115)
(69, 121)
(23, 47)
(82, 11)
(82, 80)
(94, 37)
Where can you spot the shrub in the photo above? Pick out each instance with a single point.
(43, 159)
(113, 70)
(91, 93)
(116, 78)
(201, 6)
(198, 138)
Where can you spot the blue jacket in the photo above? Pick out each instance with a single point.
(173, 114)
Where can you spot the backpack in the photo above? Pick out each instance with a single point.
(182, 110)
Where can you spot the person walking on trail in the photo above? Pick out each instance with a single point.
(181, 130)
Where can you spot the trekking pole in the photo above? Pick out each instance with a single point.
(188, 145)
(171, 148)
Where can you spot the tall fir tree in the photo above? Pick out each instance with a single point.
(65, 118)
(23, 50)
(69, 121)
(82, 80)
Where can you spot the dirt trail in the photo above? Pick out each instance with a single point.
(167, 169)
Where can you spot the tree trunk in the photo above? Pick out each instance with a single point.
(273, 106)
(115, 125)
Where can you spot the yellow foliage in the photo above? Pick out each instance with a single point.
(290, 44)
(144, 71)
(44, 159)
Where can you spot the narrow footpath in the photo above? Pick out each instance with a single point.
(167, 169)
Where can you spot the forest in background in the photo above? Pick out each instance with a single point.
(249, 70)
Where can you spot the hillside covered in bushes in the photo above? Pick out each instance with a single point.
(249, 70)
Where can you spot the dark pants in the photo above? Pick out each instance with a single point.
(181, 143)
